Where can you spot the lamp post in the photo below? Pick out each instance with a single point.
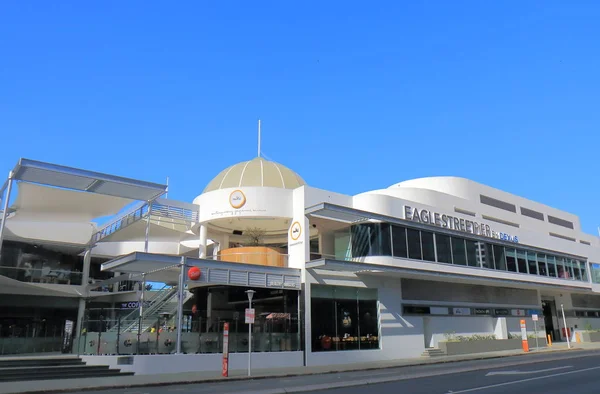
(566, 328)
(249, 320)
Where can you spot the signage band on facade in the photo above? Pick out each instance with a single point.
(454, 223)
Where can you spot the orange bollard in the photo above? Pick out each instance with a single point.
(524, 341)
(577, 337)
(549, 340)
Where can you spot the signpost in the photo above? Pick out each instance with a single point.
(249, 317)
(225, 350)
(534, 317)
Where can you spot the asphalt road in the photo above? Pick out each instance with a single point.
(568, 373)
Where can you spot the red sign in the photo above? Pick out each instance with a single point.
(225, 367)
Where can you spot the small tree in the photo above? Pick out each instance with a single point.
(255, 235)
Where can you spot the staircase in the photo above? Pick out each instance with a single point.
(433, 352)
(163, 302)
(16, 369)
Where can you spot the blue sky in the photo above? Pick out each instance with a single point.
(354, 96)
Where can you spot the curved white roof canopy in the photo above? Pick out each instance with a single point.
(65, 204)
(256, 172)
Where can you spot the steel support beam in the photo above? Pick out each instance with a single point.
(180, 296)
(5, 210)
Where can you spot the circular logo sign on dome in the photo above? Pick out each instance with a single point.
(295, 231)
(237, 199)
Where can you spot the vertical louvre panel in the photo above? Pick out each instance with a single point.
(256, 279)
(238, 278)
(274, 280)
(292, 279)
(218, 276)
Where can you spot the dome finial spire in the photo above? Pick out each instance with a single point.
(259, 138)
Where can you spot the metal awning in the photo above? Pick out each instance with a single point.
(83, 180)
(362, 268)
(337, 213)
(166, 268)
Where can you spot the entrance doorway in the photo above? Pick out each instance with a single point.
(549, 310)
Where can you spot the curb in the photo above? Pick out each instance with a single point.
(299, 389)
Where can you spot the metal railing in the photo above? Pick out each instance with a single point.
(154, 302)
(272, 332)
(176, 213)
(159, 210)
(42, 275)
(30, 338)
(136, 214)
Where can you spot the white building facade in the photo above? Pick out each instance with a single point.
(382, 275)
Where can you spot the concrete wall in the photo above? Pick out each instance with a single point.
(436, 327)
(158, 364)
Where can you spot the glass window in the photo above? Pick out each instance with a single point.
(472, 249)
(442, 244)
(541, 262)
(459, 253)
(428, 246)
(551, 261)
(521, 261)
(414, 244)
(511, 260)
(575, 268)
(532, 263)
(371, 239)
(584, 273)
(499, 257)
(344, 318)
(361, 239)
(368, 328)
(347, 321)
(560, 268)
(399, 247)
(486, 255)
(385, 240)
(595, 272)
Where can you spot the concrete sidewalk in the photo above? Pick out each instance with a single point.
(71, 385)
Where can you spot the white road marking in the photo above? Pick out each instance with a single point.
(523, 380)
(526, 372)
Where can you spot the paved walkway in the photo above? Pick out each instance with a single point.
(71, 385)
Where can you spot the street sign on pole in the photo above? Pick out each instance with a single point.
(535, 319)
(225, 371)
(249, 315)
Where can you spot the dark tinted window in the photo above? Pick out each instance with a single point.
(459, 253)
(428, 247)
(444, 252)
(399, 241)
(414, 244)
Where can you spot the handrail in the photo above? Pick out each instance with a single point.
(163, 294)
(41, 275)
(132, 216)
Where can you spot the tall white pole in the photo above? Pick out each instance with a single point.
(167, 191)
(566, 328)
(250, 343)
(259, 138)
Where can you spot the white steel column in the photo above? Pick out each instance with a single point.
(5, 209)
(180, 296)
(85, 277)
(202, 238)
(147, 236)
